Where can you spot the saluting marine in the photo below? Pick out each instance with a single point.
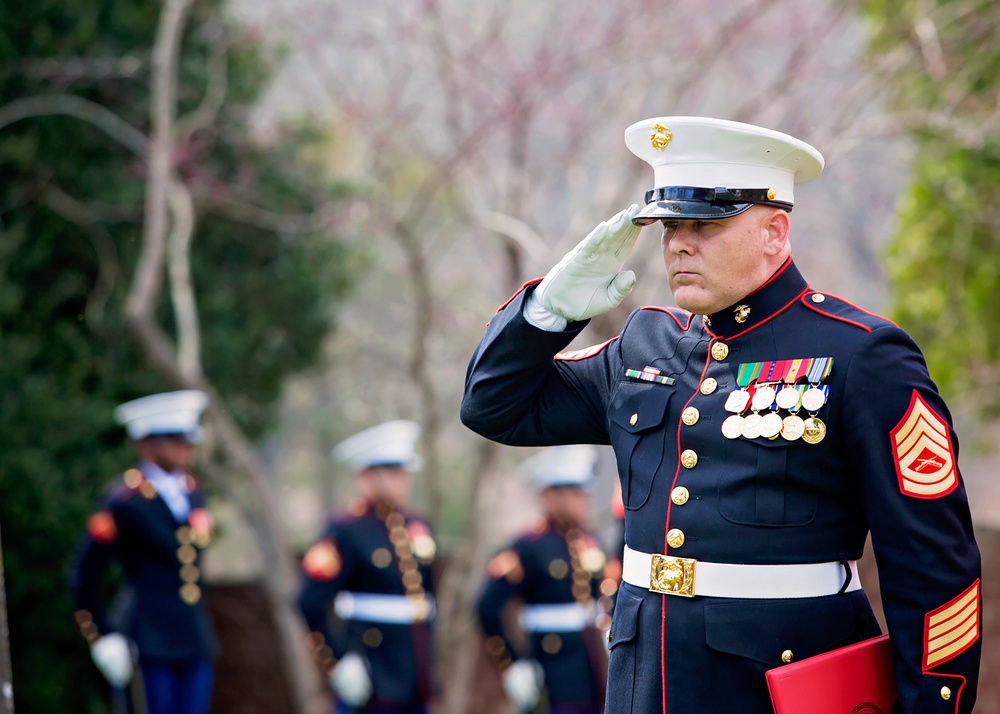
(761, 432)
(155, 524)
(558, 573)
(374, 565)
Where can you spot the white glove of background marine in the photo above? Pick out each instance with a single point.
(522, 683)
(589, 280)
(351, 680)
(113, 657)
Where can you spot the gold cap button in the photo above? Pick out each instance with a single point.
(679, 496)
(690, 416)
(709, 386)
(633, 419)
(689, 458)
(818, 298)
(720, 350)
(675, 537)
(787, 656)
(945, 693)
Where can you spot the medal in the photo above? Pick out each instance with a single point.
(737, 401)
(787, 398)
(814, 430)
(813, 399)
(751, 426)
(762, 398)
(732, 427)
(792, 427)
(770, 425)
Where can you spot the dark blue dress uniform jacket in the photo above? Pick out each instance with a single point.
(755, 500)
(356, 554)
(537, 569)
(159, 558)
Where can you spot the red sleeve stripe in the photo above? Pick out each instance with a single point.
(576, 355)
(520, 290)
(952, 628)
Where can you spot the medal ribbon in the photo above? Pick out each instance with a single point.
(820, 369)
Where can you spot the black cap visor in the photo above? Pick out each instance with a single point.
(682, 203)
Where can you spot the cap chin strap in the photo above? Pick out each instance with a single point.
(716, 195)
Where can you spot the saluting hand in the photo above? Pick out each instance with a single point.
(589, 280)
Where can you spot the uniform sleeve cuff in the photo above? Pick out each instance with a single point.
(537, 315)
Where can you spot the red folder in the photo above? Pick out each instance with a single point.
(856, 678)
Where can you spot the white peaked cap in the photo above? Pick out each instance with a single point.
(706, 153)
(387, 444)
(164, 413)
(561, 466)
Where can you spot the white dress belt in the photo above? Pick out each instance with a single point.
(561, 617)
(737, 580)
(386, 609)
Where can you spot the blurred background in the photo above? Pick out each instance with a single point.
(310, 208)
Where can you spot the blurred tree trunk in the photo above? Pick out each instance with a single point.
(168, 214)
(6, 675)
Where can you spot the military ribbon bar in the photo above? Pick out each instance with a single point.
(649, 374)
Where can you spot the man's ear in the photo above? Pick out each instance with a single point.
(777, 225)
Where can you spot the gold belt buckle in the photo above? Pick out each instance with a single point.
(670, 575)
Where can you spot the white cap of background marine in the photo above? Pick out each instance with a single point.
(706, 168)
(571, 465)
(164, 414)
(392, 443)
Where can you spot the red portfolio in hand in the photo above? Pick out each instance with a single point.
(856, 679)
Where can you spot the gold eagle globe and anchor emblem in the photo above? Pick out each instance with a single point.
(742, 313)
(660, 137)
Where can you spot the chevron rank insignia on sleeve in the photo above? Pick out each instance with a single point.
(922, 451)
(952, 628)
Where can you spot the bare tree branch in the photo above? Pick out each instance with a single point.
(181, 287)
(70, 105)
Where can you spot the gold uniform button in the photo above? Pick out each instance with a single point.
(720, 350)
(787, 656)
(818, 298)
(381, 558)
(679, 496)
(190, 593)
(372, 637)
(945, 693)
(690, 416)
(709, 386)
(552, 643)
(633, 419)
(689, 458)
(558, 569)
(675, 537)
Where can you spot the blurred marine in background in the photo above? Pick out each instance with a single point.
(153, 524)
(557, 572)
(373, 564)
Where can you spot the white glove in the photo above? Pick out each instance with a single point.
(589, 280)
(522, 683)
(112, 655)
(351, 681)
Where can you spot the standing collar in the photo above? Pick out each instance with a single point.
(781, 290)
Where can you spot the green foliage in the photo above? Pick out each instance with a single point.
(944, 259)
(71, 207)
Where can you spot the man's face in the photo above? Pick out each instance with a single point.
(392, 484)
(170, 453)
(567, 504)
(713, 264)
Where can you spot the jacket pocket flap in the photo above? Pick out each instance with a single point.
(625, 624)
(762, 629)
(636, 407)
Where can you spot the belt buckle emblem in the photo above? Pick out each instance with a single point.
(670, 575)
